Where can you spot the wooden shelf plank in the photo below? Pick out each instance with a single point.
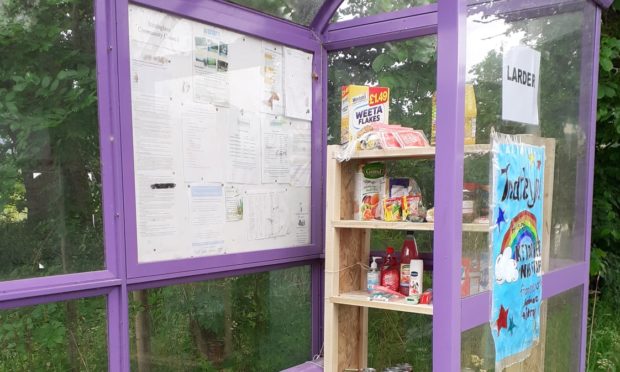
(413, 226)
(354, 224)
(360, 298)
(413, 153)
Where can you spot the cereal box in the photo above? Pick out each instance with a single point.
(362, 106)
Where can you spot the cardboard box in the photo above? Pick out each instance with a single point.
(368, 191)
(361, 106)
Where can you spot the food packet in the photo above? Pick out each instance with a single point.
(384, 294)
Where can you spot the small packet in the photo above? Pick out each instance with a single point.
(393, 209)
(384, 294)
(427, 297)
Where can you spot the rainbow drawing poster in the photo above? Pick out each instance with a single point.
(516, 244)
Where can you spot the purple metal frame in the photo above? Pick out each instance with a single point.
(123, 273)
(451, 27)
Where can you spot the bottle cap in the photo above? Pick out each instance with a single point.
(389, 250)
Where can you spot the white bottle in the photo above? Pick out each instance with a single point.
(416, 269)
(372, 278)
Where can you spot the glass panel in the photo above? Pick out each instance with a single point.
(298, 11)
(562, 35)
(408, 69)
(62, 336)
(563, 337)
(258, 322)
(50, 194)
(560, 335)
(351, 9)
(395, 338)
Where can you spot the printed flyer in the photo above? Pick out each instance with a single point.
(516, 243)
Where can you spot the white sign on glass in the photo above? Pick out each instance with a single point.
(520, 82)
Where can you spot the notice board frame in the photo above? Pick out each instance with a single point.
(252, 24)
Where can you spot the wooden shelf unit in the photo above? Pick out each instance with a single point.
(347, 244)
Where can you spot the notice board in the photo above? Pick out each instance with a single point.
(221, 128)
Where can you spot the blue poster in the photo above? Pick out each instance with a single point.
(516, 244)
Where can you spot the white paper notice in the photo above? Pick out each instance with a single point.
(210, 65)
(297, 84)
(520, 81)
(300, 147)
(273, 99)
(267, 214)
(153, 132)
(234, 203)
(201, 153)
(242, 160)
(302, 224)
(275, 151)
(159, 211)
(206, 219)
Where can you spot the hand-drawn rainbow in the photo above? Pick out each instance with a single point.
(521, 227)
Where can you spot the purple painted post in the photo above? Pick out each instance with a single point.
(449, 185)
(590, 184)
(399, 25)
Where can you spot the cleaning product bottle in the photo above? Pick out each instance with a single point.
(408, 253)
(390, 273)
(372, 278)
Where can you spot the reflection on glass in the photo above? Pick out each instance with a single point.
(50, 194)
(351, 9)
(63, 336)
(557, 350)
(563, 336)
(258, 322)
(396, 338)
(408, 68)
(298, 11)
(562, 35)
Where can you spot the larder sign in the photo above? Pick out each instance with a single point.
(520, 82)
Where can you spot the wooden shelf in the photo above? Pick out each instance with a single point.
(413, 153)
(354, 224)
(413, 226)
(360, 298)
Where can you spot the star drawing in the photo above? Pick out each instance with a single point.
(500, 218)
(511, 326)
(502, 319)
(532, 158)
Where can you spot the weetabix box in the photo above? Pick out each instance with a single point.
(361, 107)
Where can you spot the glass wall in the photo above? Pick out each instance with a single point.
(561, 36)
(559, 346)
(50, 189)
(258, 322)
(351, 9)
(395, 338)
(298, 11)
(61, 336)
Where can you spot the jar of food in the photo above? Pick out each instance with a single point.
(469, 202)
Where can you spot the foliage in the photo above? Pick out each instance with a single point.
(258, 322)
(604, 326)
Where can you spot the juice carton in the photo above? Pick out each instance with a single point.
(470, 116)
(362, 106)
(369, 190)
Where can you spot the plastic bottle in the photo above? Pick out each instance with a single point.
(408, 253)
(390, 273)
(372, 278)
